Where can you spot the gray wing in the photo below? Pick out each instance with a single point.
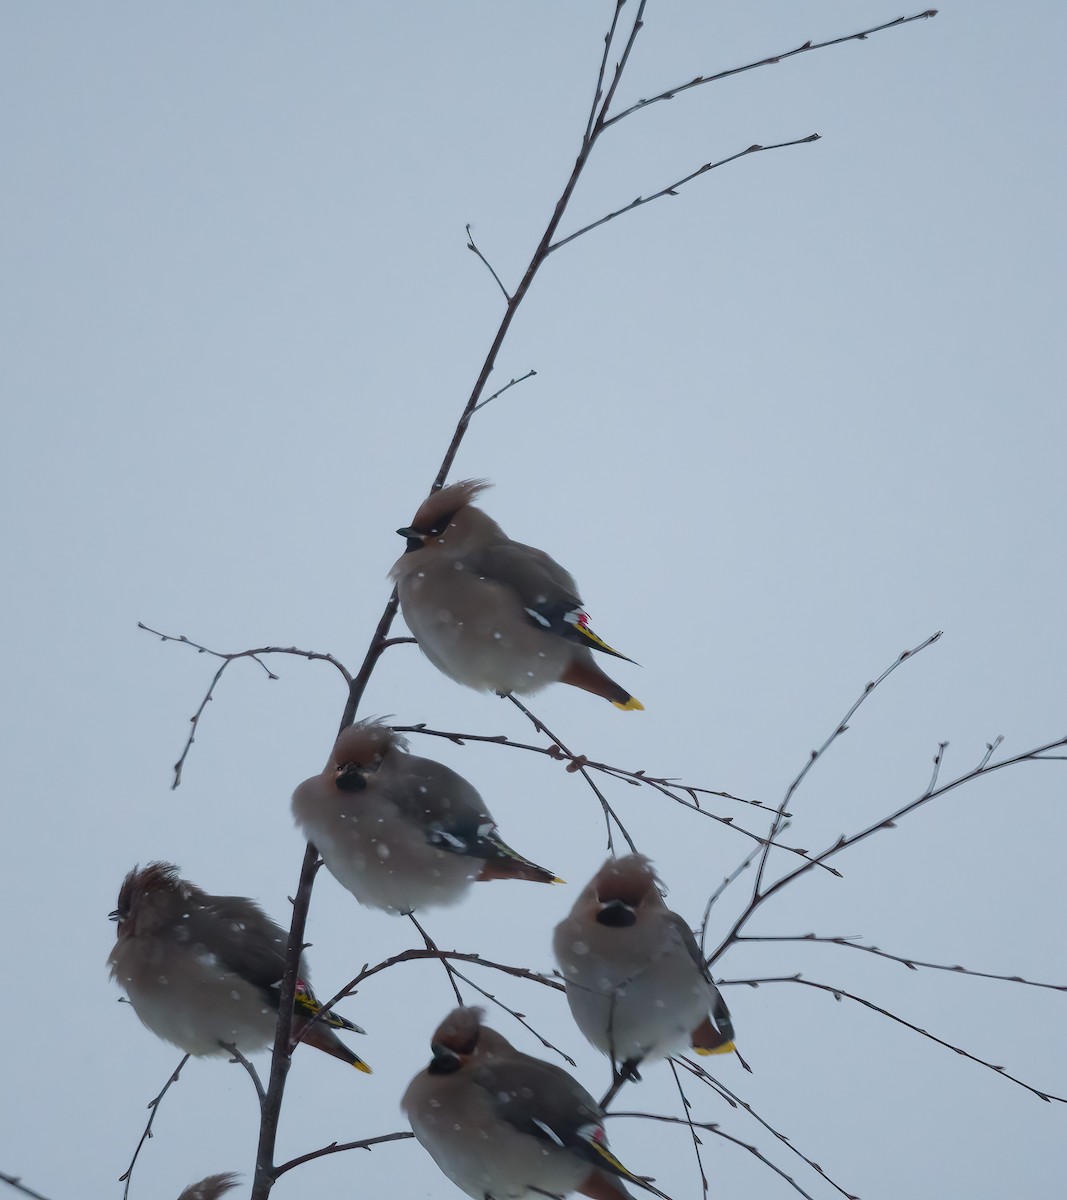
(538, 580)
(719, 1011)
(241, 936)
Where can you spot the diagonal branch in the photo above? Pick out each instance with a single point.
(471, 245)
(767, 62)
(813, 758)
(15, 1181)
(735, 1101)
(711, 1127)
(609, 813)
(840, 993)
(153, 1106)
(672, 188)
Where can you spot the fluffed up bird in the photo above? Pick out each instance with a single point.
(203, 972)
(636, 980)
(492, 613)
(402, 832)
(210, 1188)
(502, 1124)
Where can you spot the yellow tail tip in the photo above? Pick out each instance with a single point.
(725, 1048)
(631, 705)
(556, 879)
(360, 1065)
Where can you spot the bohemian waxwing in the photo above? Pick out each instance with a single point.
(492, 613)
(210, 1188)
(636, 981)
(504, 1125)
(399, 831)
(203, 971)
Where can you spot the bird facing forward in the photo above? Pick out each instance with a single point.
(500, 1123)
(492, 613)
(636, 981)
(203, 972)
(402, 832)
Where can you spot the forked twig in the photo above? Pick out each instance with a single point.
(609, 813)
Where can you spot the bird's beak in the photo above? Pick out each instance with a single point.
(415, 539)
(616, 915)
(113, 916)
(444, 1061)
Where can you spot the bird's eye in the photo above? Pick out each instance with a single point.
(440, 526)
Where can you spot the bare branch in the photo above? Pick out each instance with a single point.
(666, 787)
(840, 993)
(813, 758)
(338, 1147)
(255, 656)
(16, 1182)
(520, 1017)
(368, 972)
(844, 843)
(488, 266)
(912, 964)
(432, 945)
(734, 874)
(253, 1074)
(609, 37)
(153, 1106)
(609, 813)
(938, 759)
(687, 1112)
(735, 1101)
(767, 62)
(672, 188)
(710, 1127)
(500, 391)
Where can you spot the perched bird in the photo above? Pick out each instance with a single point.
(502, 1124)
(636, 980)
(492, 613)
(399, 831)
(210, 1188)
(203, 972)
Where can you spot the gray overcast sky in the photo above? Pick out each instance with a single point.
(783, 426)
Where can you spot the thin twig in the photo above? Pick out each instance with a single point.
(990, 747)
(666, 787)
(16, 1182)
(598, 94)
(338, 1147)
(938, 759)
(500, 391)
(253, 1074)
(711, 1127)
(734, 875)
(840, 993)
(153, 1106)
(609, 813)
(227, 659)
(813, 758)
(687, 1112)
(432, 945)
(488, 266)
(912, 964)
(735, 1101)
(845, 843)
(672, 188)
(766, 62)
(520, 1017)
